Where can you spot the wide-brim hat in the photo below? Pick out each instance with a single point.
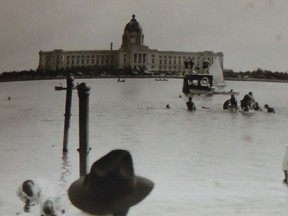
(111, 185)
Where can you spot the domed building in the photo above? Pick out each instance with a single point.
(132, 54)
(132, 33)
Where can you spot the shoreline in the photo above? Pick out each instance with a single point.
(147, 77)
(254, 80)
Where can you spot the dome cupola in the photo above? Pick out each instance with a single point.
(132, 33)
(133, 26)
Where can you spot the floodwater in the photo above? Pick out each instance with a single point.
(207, 162)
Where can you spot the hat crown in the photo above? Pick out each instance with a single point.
(110, 187)
(112, 176)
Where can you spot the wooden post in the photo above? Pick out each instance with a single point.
(67, 114)
(83, 93)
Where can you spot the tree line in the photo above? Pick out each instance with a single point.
(257, 74)
(85, 71)
(110, 71)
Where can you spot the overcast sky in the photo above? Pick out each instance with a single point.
(250, 33)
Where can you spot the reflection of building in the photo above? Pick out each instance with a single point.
(132, 53)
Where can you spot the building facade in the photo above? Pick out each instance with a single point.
(132, 54)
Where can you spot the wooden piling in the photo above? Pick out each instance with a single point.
(69, 89)
(83, 93)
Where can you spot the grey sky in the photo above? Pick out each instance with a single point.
(250, 33)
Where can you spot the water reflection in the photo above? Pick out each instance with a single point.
(65, 173)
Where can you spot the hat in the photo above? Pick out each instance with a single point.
(111, 185)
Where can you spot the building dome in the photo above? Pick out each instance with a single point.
(133, 26)
(132, 34)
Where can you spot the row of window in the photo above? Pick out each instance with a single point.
(160, 68)
(185, 57)
(141, 58)
(90, 56)
(180, 62)
(106, 61)
(138, 58)
(79, 56)
(101, 61)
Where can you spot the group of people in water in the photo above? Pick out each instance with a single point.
(247, 103)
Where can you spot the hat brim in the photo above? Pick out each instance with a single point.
(87, 203)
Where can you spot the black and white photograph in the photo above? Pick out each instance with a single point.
(143, 107)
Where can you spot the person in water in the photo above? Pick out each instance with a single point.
(285, 166)
(269, 109)
(34, 192)
(30, 193)
(190, 105)
(231, 103)
(247, 102)
(256, 107)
